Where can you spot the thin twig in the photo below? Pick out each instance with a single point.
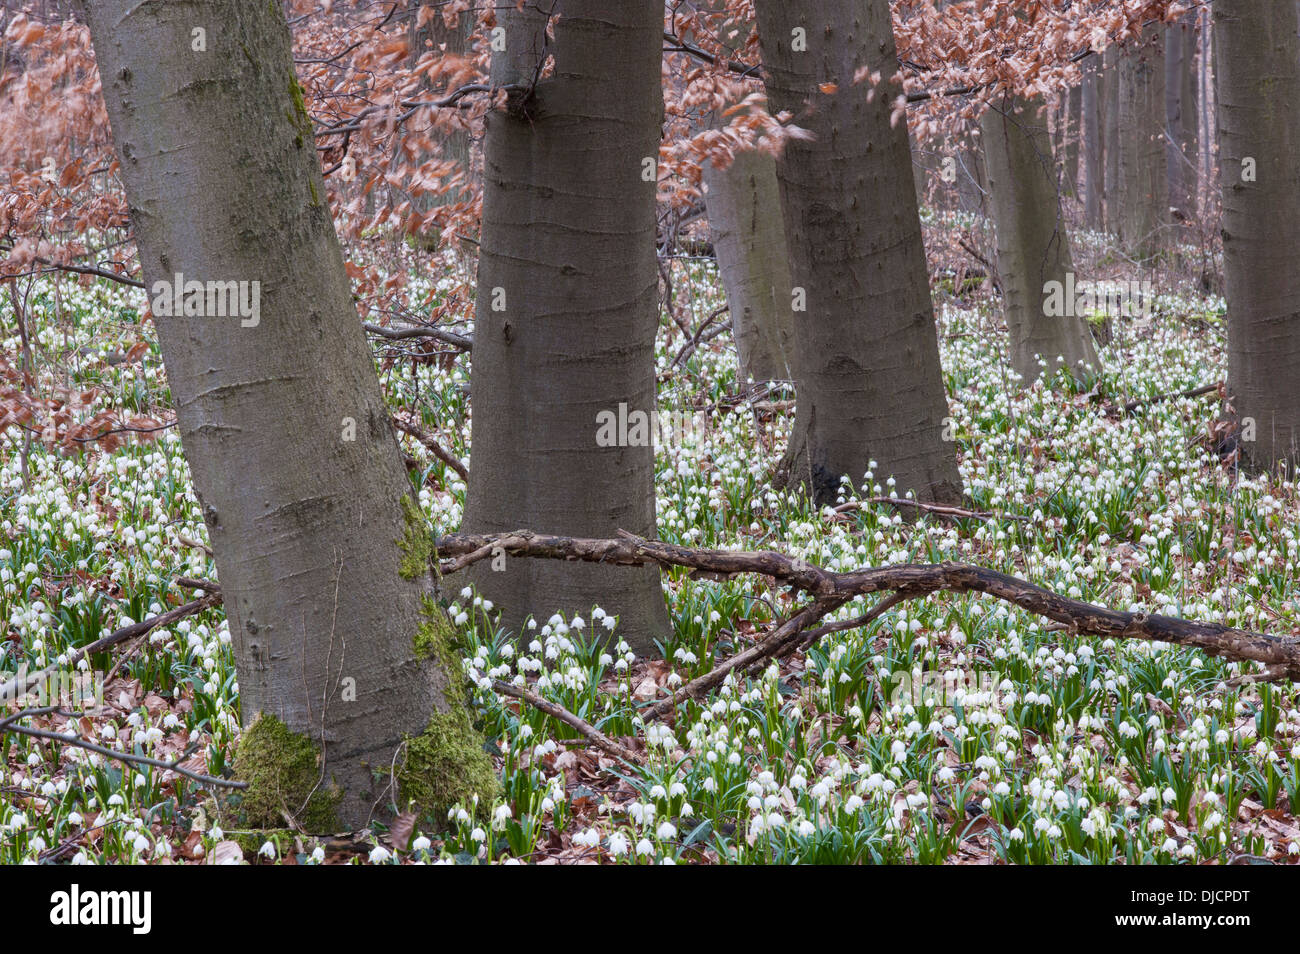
(407, 426)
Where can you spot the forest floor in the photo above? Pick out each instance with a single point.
(1041, 747)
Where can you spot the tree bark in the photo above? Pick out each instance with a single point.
(567, 308)
(1033, 246)
(867, 359)
(1144, 196)
(744, 209)
(224, 184)
(1257, 69)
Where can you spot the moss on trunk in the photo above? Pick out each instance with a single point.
(282, 769)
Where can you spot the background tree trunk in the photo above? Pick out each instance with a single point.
(1257, 67)
(972, 182)
(454, 145)
(1072, 113)
(1180, 115)
(567, 308)
(744, 209)
(1144, 196)
(867, 358)
(1033, 246)
(224, 185)
(1093, 144)
(1110, 134)
(1188, 126)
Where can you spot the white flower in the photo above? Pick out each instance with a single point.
(379, 854)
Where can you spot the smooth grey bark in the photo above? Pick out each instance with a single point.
(1257, 72)
(1033, 245)
(744, 208)
(867, 359)
(224, 185)
(1093, 144)
(1143, 195)
(567, 309)
(1110, 134)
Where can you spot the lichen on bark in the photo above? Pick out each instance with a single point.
(282, 769)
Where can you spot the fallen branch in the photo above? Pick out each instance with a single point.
(941, 510)
(831, 590)
(129, 757)
(407, 426)
(1132, 406)
(17, 687)
(556, 711)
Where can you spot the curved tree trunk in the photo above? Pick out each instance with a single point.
(292, 453)
(744, 208)
(567, 309)
(1257, 69)
(1143, 199)
(1033, 247)
(867, 359)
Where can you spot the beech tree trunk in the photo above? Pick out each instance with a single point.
(1144, 196)
(1033, 246)
(567, 309)
(1257, 69)
(1093, 144)
(290, 446)
(744, 209)
(870, 384)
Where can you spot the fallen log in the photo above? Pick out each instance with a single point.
(830, 590)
